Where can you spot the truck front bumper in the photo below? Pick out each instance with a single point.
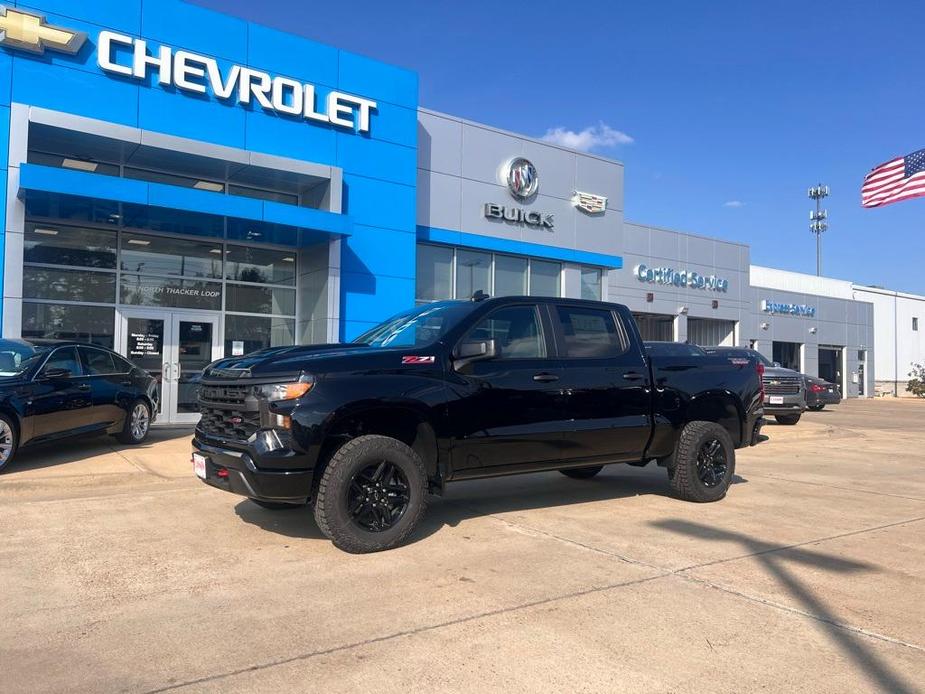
(251, 473)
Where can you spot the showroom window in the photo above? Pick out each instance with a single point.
(75, 274)
(591, 283)
(457, 273)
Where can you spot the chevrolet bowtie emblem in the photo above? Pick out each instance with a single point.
(29, 32)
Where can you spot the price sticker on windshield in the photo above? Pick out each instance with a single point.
(418, 360)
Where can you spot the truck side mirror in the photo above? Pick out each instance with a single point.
(775, 364)
(475, 350)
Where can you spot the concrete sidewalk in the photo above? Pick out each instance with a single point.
(121, 572)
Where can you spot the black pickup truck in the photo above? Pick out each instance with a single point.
(460, 390)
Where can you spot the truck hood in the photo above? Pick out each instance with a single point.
(780, 371)
(291, 361)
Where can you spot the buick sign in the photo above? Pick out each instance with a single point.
(522, 179)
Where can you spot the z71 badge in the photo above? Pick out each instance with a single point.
(418, 360)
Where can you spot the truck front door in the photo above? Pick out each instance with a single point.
(508, 410)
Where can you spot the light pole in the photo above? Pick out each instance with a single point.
(817, 223)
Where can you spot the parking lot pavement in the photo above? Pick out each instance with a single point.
(121, 572)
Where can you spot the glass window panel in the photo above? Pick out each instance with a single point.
(95, 324)
(52, 244)
(510, 276)
(516, 331)
(173, 221)
(473, 273)
(174, 293)
(96, 362)
(589, 332)
(62, 162)
(174, 180)
(544, 278)
(157, 255)
(261, 265)
(591, 283)
(260, 300)
(70, 208)
(261, 232)
(69, 285)
(262, 194)
(434, 273)
(256, 333)
(64, 358)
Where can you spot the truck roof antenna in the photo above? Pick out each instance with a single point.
(480, 296)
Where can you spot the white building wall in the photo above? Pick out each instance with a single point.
(800, 283)
(898, 345)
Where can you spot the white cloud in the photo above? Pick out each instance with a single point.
(733, 203)
(592, 137)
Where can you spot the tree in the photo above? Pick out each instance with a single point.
(916, 384)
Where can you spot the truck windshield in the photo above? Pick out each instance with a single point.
(419, 327)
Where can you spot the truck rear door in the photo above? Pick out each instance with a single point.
(605, 384)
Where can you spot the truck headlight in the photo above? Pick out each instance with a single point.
(278, 392)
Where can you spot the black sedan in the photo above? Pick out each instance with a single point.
(51, 390)
(820, 393)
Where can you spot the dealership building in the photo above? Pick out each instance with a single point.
(183, 185)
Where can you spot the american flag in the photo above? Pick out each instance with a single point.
(899, 179)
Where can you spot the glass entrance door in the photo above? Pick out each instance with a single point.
(174, 347)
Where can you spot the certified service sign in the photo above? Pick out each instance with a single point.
(522, 179)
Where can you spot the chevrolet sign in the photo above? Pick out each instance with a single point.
(197, 74)
(29, 32)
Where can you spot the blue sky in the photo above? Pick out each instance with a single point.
(723, 112)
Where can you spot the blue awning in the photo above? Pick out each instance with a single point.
(48, 179)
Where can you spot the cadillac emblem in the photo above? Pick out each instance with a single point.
(589, 202)
(521, 178)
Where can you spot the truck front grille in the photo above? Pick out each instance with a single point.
(230, 412)
(781, 385)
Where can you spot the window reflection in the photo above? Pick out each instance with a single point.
(157, 255)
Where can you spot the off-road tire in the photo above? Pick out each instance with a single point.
(330, 504)
(11, 438)
(128, 435)
(275, 505)
(582, 473)
(787, 419)
(817, 408)
(682, 466)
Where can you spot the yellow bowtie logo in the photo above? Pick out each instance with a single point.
(29, 32)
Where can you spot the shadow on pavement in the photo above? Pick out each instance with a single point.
(774, 559)
(485, 497)
(79, 448)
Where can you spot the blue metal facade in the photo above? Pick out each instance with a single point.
(379, 167)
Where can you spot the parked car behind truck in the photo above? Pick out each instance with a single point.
(784, 391)
(820, 393)
(461, 390)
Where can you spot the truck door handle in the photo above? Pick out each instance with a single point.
(83, 387)
(545, 378)
(633, 376)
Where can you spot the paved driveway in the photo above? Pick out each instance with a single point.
(120, 572)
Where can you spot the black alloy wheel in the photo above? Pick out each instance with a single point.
(711, 463)
(378, 496)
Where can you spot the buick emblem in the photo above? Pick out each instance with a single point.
(522, 179)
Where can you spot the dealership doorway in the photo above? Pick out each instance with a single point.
(655, 327)
(709, 332)
(787, 354)
(830, 365)
(174, 346)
